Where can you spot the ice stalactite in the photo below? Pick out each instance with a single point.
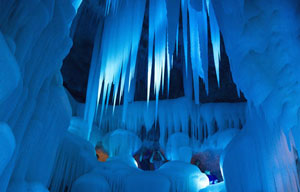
(173, 12)
(76, 4)
(215, 38)
(158, 25)
(158, 38)
(113, 5)
(203, 36)
(195, 52)
(114, 56)
(184, 12)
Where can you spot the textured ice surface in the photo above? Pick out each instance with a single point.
(10, 72)
(91, 182)
(262, 42)
(121, 143)
(75, 157)
(177, 148)
(147, 181)
(219, 187)
(7, 145)
(33, 102)
(78, 127)
(175, 115)
(219, 140)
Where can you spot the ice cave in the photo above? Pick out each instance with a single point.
(149, 95)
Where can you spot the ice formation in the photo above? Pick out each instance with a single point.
(116, 45)
(184, 176)
(7, 145)
(33, 102)
(147, 181)
(74, 158)
(175, 115)
(114, 56)
(121, 143)
(262, 42)
(91, 182)
(263, 51)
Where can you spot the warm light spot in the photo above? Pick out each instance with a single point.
(102, 156)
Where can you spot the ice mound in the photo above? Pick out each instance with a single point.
(184, 177)
(91, 182)
(178, 148)
(147, 181)
(121, 143)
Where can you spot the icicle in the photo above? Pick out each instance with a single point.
(93, 83)
(76, 4)
(112, 5)
(136, 34)
(173, 12)
(177, 34)
(215, 39)
(185, 31)
(168, 69)
(203, 34)
(150, 45)
(195, 50)
(158, 28)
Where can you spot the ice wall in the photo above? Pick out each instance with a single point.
(34, 39)
(262, 42)
(176, 115)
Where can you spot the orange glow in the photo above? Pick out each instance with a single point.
(102, 156)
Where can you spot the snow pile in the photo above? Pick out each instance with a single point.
(184, 177)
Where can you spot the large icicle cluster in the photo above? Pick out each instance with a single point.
(116, 45)
(114, 57)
